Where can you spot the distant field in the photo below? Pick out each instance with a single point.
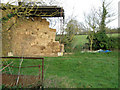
(113, 35)
(81, 39)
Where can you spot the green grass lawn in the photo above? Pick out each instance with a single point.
(98, 70)
(81, 39)
(113, 35)
(80, 70)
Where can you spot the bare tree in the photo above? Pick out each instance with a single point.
(98, 19)
(91, 23)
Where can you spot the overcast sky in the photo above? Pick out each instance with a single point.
(76, 8)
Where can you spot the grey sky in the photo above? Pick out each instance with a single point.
(119, 14)
(78, 7)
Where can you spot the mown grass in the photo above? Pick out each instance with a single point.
(80, 70)
(98, 70)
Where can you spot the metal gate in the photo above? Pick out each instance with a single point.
(21, 81)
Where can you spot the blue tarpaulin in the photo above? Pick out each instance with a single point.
(106, 51)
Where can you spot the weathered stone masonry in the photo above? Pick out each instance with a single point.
(34, 38)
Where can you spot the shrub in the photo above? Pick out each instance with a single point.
(102, 41)
(113, 43)
(67, 41)
(77, 48)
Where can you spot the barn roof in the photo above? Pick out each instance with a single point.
(43, 11)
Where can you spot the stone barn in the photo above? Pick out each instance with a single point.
(31, 36)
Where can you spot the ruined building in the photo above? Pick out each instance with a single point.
(30, 37)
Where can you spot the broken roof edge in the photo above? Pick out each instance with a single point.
(48, 6)
(43, 11)
(40, 6)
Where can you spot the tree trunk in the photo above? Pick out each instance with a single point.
(91, 42)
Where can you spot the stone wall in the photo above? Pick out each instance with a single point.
(33, 37)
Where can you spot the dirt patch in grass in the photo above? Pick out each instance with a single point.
(24, 80)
